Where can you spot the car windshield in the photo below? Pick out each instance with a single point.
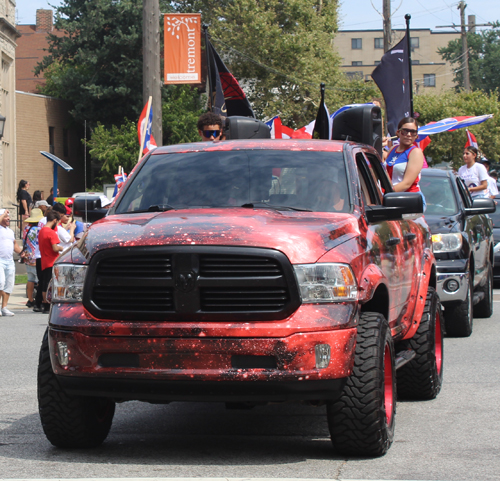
(439, 195)
(281, 180)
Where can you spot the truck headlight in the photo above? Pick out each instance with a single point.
(446, 242)
(68, 282)
(326, 282)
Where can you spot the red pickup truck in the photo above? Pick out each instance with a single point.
(247, 271)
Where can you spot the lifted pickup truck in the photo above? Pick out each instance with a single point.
(247, 272)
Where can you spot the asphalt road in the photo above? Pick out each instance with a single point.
(454, 437)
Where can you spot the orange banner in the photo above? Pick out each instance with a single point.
(182, 48)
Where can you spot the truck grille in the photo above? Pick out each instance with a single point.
(191, 283)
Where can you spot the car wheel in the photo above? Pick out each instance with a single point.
(458, 319)
(362, 420)
(70, 421)
(422, 377)
(484, 308)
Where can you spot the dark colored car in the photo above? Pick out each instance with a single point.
(247, 272)
(462, 239)
(495, 219)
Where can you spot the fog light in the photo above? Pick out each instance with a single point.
(452, 285)
(322, 355)
(62, 349)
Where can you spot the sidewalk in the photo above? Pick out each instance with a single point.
(18, 298)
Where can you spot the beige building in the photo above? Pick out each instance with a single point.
(8, 37)
(361, 51)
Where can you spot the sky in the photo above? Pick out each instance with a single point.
(357, 14)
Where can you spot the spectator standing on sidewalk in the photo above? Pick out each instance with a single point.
(8, 246)
(30, 246)
(48, 242)
(24, 199)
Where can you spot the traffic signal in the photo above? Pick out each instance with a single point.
(360, 124)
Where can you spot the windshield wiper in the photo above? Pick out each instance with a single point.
(251, 205)
(160, 208)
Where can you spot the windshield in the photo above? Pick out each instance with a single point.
(284, 180)
(495, 217)
(439, 195)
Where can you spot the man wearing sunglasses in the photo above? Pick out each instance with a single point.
(210, 127)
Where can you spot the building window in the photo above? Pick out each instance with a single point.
(357, 75)
(377, 62)
(415, 62)
(378, 42)
(356, 63)
(65, 143)
(52, 140)
(356, 43)
(414, 42)
(429, 79)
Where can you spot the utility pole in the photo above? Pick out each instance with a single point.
(465, 49)
(387, 25)
(151, 81)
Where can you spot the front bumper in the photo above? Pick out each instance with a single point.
(194, 367)
(456, 270)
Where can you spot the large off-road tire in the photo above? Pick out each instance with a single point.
(70, 421)
(422, 377)
(484, 308)
(459, 318)
(362, 421)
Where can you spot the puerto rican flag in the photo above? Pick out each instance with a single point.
(149, 142)
(119, 181)
(471, 140)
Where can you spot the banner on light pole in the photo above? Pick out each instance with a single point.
(182, 52)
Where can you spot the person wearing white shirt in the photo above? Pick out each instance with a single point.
(8, 246)
(492, 182)
(474, 174)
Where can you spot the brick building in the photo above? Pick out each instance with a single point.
(361, 51)
(43, 123)
(8, 36)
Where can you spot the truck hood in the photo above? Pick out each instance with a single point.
(439, 224)
(302, 236)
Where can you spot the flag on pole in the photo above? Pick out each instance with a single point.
(322, 125)
(471, 140)
(276, 127)
(392, 78)
(148, 143)
(234, 100)
(120, 178)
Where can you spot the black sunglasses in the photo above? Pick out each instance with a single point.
(409, 131)
(211, 133)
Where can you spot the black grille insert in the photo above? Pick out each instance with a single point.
(238, 266)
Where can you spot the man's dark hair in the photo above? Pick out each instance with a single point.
(494, 174)
(209, 118)
(58, 207)
(52, 214)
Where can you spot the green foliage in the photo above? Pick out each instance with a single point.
(113, 147)
(484, 58)
(181, 108)
(97, 65)
(280, 51)
(449, 146)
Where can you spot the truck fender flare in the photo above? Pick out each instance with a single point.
(421, 285)
(370, 279)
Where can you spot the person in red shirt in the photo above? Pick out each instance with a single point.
(48, 241)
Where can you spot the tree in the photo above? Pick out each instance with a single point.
(97, 65)
(449, 146)
(484, 58)
(280, 51)
(118, 145)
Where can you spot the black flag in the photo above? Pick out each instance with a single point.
(392, 76)
(236, 102)
(322, 129)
